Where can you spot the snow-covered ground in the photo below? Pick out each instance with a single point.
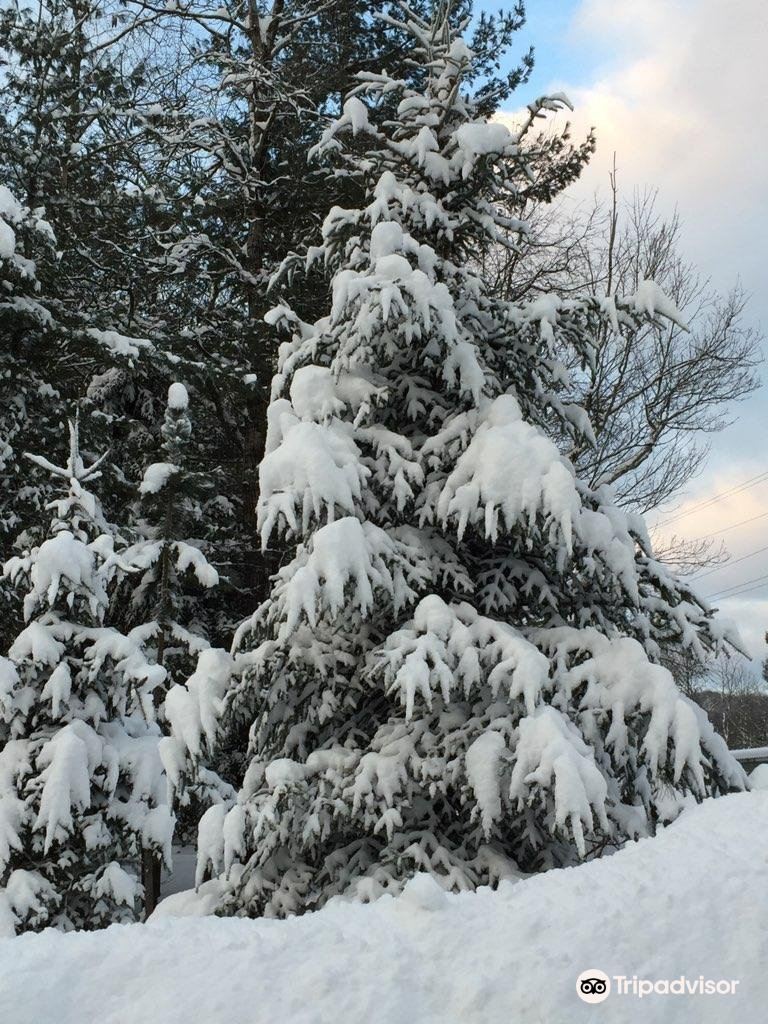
(690, 902)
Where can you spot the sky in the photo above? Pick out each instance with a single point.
(676, 88)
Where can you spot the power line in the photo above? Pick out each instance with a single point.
(734, 526)
(728, 563)
(737, 586)
(736, 489)
(746, 590)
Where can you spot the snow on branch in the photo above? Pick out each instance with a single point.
(452, 650)
(510, 471)
(308, 471)
(347, 562)
(551, 755)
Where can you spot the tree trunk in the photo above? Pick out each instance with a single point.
(150, 879)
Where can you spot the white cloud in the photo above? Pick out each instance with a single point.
(680, 98)
(683, 106)
(682, 103)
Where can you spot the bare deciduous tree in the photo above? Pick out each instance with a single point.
(737, 704)
(730, 691)
(654, 392)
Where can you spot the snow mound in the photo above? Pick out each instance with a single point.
(423, 892)
(689, 902)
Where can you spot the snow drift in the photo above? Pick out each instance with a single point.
(689, 902)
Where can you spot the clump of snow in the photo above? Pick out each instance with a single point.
(759, 777)
(512, 471)
(308, 468)
(652, 300)
(551, 752)
(38, 643)
(192, 903)
(118, 884)
(345, 554)
(10, 208)
(7, 241)
(482, 759)
(492, 956)
(451, 648)
(61, 557)
(120, 344)
(355, 114)
(316, 394)
(283, 772)
(156, 476)
(178, 398)
(192, 711)
(483, 137)
(190, 557)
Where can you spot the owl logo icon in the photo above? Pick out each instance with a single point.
(593, 986)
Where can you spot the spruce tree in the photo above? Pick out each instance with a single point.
(50, 355)
(457, 671)
(238, 194)
(82, 792)
(30, 361)
(173, 569)
(82, 92)
(40, 364)
(173, 565)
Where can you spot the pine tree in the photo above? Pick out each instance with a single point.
(82, 791)
(457, 671)
(172, 563)
(76, 141)
(173, 569)
(64, 147)
(28, 364)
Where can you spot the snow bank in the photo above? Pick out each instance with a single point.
(691, 902)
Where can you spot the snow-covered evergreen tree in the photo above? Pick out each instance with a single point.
(457, 670)
(169, 559)
(30, 360)
(84, 92)
(163, 595)
(48, 354)
(82, 791)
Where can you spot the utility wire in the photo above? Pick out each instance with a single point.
(738, 586)
(734, 526)
(748, 590)
(751, 482)
(729, 562)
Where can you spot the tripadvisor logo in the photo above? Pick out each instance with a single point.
(593, 986)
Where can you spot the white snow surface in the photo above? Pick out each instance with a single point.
(689, 902)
